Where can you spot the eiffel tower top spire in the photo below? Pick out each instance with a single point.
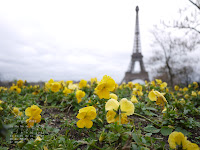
(137, 43)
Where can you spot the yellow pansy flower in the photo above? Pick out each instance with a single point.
(20, 83)
(134, 99)
(186, 96)
(1, 108)
(112, 106)
(69, 82)
(55, 87)
(130, 85)
(158, 81)
(82, 83)
(79, 95)
(34, 113)
(194, 94)
(195, 85)
(85, 115)
(154, 95)
(177, 138)
(93, 80)
(158, 97)
(62, 84)
(16, 111)
(176, 87)
(1, 101)
(72, 86)
(104, 87)
(15, 88)
(163, 85)
(127, 107)
(185, 89)
(66, 91)
(48, 84)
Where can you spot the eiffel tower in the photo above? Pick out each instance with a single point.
(131, 74)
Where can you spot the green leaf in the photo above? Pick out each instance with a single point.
(166, 130)
(136, 139)
(143, 140)
(148, 134)
(151, 108)
(151, 129)
(56, 130)
(134, 146)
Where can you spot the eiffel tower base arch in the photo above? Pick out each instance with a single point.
(129, 76)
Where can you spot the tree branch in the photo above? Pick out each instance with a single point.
(184, 27)
(194, 4)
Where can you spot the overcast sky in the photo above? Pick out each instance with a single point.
(75, 39)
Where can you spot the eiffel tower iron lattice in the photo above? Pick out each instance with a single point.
(136, 57)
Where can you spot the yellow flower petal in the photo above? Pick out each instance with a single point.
(110, 82)
(127, 106)
(110, 116)
(104, 87)
(28, 111)
(82, 83)
(163, 85)
(158, 94)
(124, 119)
(112, 104)
(134, 99)
(86, 109)
(35, 110)
(79, 95)
(102, 92)
(152, 96)
(91, 115)
(176, 138)
(80, 123)
(113, 96)
(89, 124)
(84, 123)
(85, 115)
(38, 139)
(191, 146)
(81, 115)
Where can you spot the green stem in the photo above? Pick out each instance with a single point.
(119, 116)
(167, 109)
(146, 119)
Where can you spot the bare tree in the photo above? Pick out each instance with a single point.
(170, 55)
(171, 50)
(189, 18)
